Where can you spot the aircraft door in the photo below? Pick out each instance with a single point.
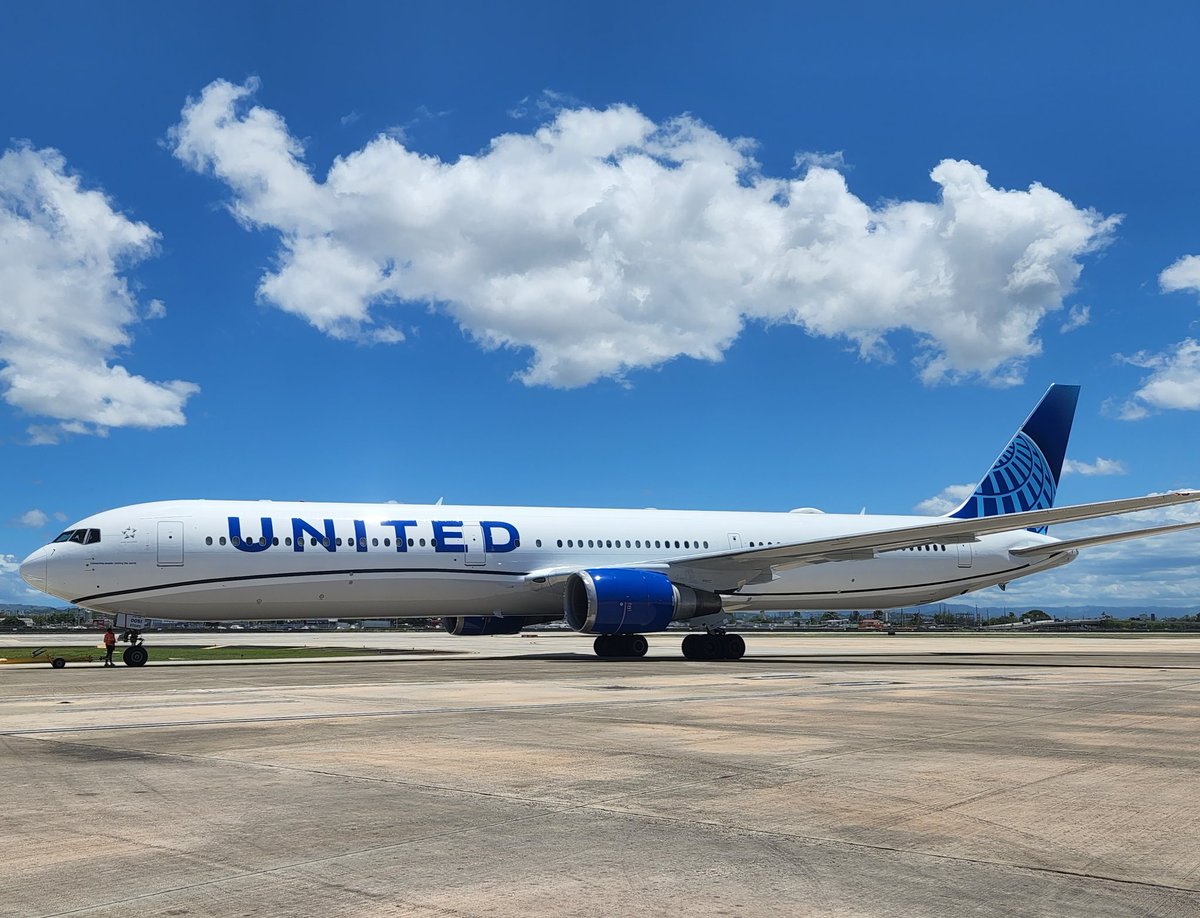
(170, 543)
(735, 541)
(964, 555)
(473, 538)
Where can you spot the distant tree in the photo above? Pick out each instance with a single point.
(944, 618)
(1035, 615)
(828, 616)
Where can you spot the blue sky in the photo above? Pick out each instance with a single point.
(634, 255)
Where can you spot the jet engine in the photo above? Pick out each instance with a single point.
(623, 601)
(472, 625)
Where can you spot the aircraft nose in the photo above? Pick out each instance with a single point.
(33, 569)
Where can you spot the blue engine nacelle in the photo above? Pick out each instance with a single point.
(472, 625)
(623, 601)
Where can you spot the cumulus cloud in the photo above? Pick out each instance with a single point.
(35, 519)
(1184, 274)
(1173, 383)
(948, 499)
(1099, 467)
(604, 241)
(66, 308)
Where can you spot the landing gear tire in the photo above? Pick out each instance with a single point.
(137, 655)
(620, 645)
(714, 646)
(58, 662)
(733, 647)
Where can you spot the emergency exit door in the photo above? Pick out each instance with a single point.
(170, 544)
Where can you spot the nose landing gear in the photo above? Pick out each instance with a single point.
(135, 654)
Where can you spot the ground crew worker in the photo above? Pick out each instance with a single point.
(110, 642)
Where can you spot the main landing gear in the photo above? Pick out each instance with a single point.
(135, 654)
(621, 645)
(714, 645)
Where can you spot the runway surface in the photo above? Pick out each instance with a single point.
(848, 776)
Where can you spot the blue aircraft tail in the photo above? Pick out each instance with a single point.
(1025, 476)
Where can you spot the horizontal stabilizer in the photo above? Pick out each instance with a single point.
(1055, 548)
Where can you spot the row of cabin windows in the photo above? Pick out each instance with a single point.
(414, 543)
(636, 543)
(926, 547)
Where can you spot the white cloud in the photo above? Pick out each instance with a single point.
(1099, 467)
(605, 242)
(66, 309)
(1184, 274)
(813, 160)
(948, 499)
(35, 519)
(1078, 317)
(1174, 382)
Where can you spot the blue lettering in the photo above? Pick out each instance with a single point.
(489, 544)
(441, 534)
(400, 526)
(360, 536)
(300, 528)
(235, 535)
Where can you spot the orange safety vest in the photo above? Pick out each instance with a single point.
(109, 639)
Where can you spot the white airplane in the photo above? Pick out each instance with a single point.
(614, 573)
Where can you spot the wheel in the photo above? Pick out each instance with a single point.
(603, 645)
(135, 655)
(636, 645)
(701, 647)
(58, 662)
(732, 647)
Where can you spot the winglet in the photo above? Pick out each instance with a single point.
(1026, 474)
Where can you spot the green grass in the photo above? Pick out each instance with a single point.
(206, 652)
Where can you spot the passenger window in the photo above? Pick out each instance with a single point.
(627, 545)
(236, 540)
(222, 540)
(288, 541)
(608, 543)
(325, 542)
(274, 540)
(560, 543)
(422, 543)
(338, 540)
(539, 543)
(374, 543)
(208, 540)
(706, 545)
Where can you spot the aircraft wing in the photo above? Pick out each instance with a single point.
(730, 570)
(1054, 548)
(733, 569)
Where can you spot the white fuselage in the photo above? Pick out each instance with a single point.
(179, 559)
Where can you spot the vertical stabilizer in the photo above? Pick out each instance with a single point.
(1025, 476)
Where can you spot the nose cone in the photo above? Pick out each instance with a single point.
(33, 569)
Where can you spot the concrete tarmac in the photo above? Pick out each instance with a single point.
(856, 776)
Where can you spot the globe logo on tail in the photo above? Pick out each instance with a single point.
(1020, 480)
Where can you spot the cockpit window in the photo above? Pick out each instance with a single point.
(80, 536)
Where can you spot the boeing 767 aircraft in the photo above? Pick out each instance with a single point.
(617, 574)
